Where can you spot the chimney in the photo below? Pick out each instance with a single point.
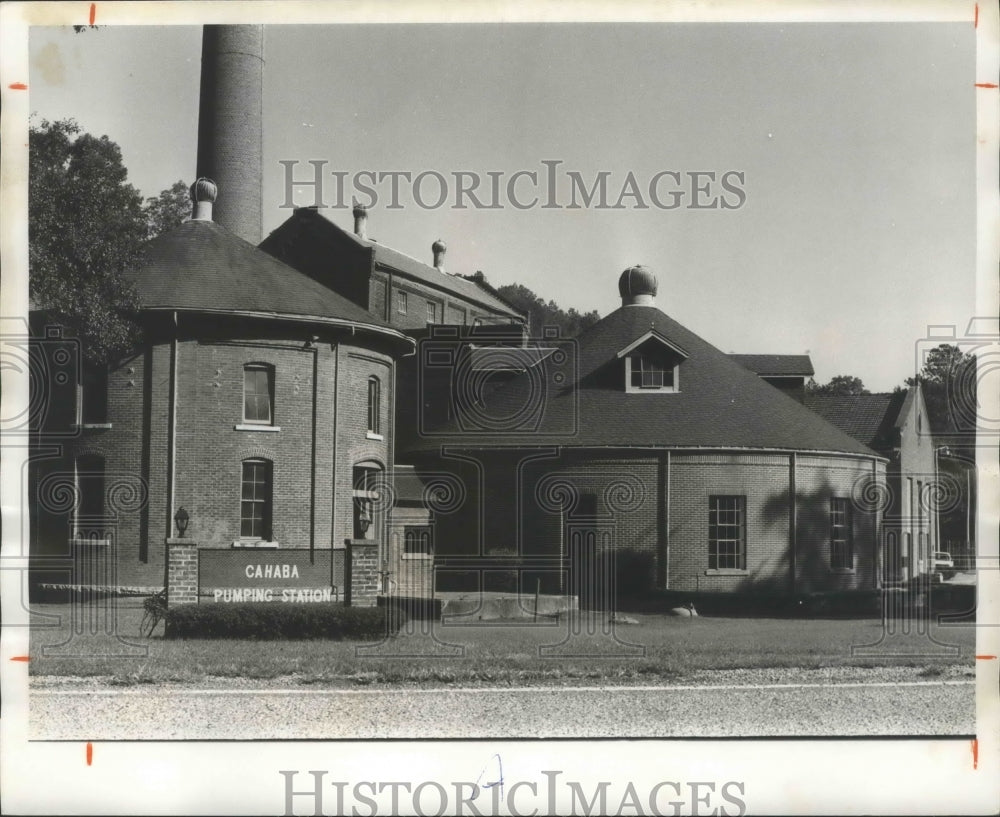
(439, 248)
(229, 124)
(203, 194)
(361, 221)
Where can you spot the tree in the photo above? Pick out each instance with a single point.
(167, 210)
(948, 378)
(85, 229)
(570, 322)
(841, 384)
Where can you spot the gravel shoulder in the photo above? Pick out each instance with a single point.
(714, 677)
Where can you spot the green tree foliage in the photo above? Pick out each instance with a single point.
(570, 322)
(85, 229)
(840, 384)
(167, 210)
(948, 378)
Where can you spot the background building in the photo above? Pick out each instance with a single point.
(896, 425)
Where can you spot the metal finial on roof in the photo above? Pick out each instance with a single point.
(203, 194)
(204, 189)
(637, 285)
(439, 248)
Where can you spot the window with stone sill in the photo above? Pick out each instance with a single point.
(727, 533)
(258, 394)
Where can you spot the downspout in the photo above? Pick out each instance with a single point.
(793, 522)
(312, 473)
(877, 554)
(390, 451)
(335, 349)
(172, 430)
(387, 316)
(666, 526)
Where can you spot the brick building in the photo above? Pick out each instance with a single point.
(392, 286)
(277, 386)
(896, 426)
(259, 401)
(641, 438)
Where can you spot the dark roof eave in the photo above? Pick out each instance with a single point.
(341, 323)
(870, 454)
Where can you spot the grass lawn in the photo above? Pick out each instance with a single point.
(667, 648)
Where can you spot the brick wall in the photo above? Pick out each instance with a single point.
(182, 571)
(449, 307)
(817, 480)
(535, 515)
(323, 433)
(763, 480)
(363, 566)
(353, 444)
(410, 575)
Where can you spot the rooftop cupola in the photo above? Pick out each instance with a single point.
(637, 286)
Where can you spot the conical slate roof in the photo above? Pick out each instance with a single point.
(200, 266)
(719, 403)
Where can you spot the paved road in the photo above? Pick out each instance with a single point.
(866, 707)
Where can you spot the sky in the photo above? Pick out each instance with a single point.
(855, 141)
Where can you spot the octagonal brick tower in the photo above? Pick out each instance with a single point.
(229, 124)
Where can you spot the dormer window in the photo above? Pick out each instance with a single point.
(652, 364)
(648, 372)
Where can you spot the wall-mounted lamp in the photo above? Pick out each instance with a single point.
(364, 516)
(181, 518)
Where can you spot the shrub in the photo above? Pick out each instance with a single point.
(411, 607)
(266, 621)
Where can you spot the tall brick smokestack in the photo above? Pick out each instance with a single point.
(229, 125)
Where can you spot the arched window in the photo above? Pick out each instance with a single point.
(374, 406)
(258, 394)
(255, 499)
(417, 540)
(365, 492)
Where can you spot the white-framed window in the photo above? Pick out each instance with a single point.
(727, 533)
(841, 541)
(432, 312)
(374, 405)
(256, 492)
(646, 372)
(258, 394)
(400, 302)
(652, 365)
